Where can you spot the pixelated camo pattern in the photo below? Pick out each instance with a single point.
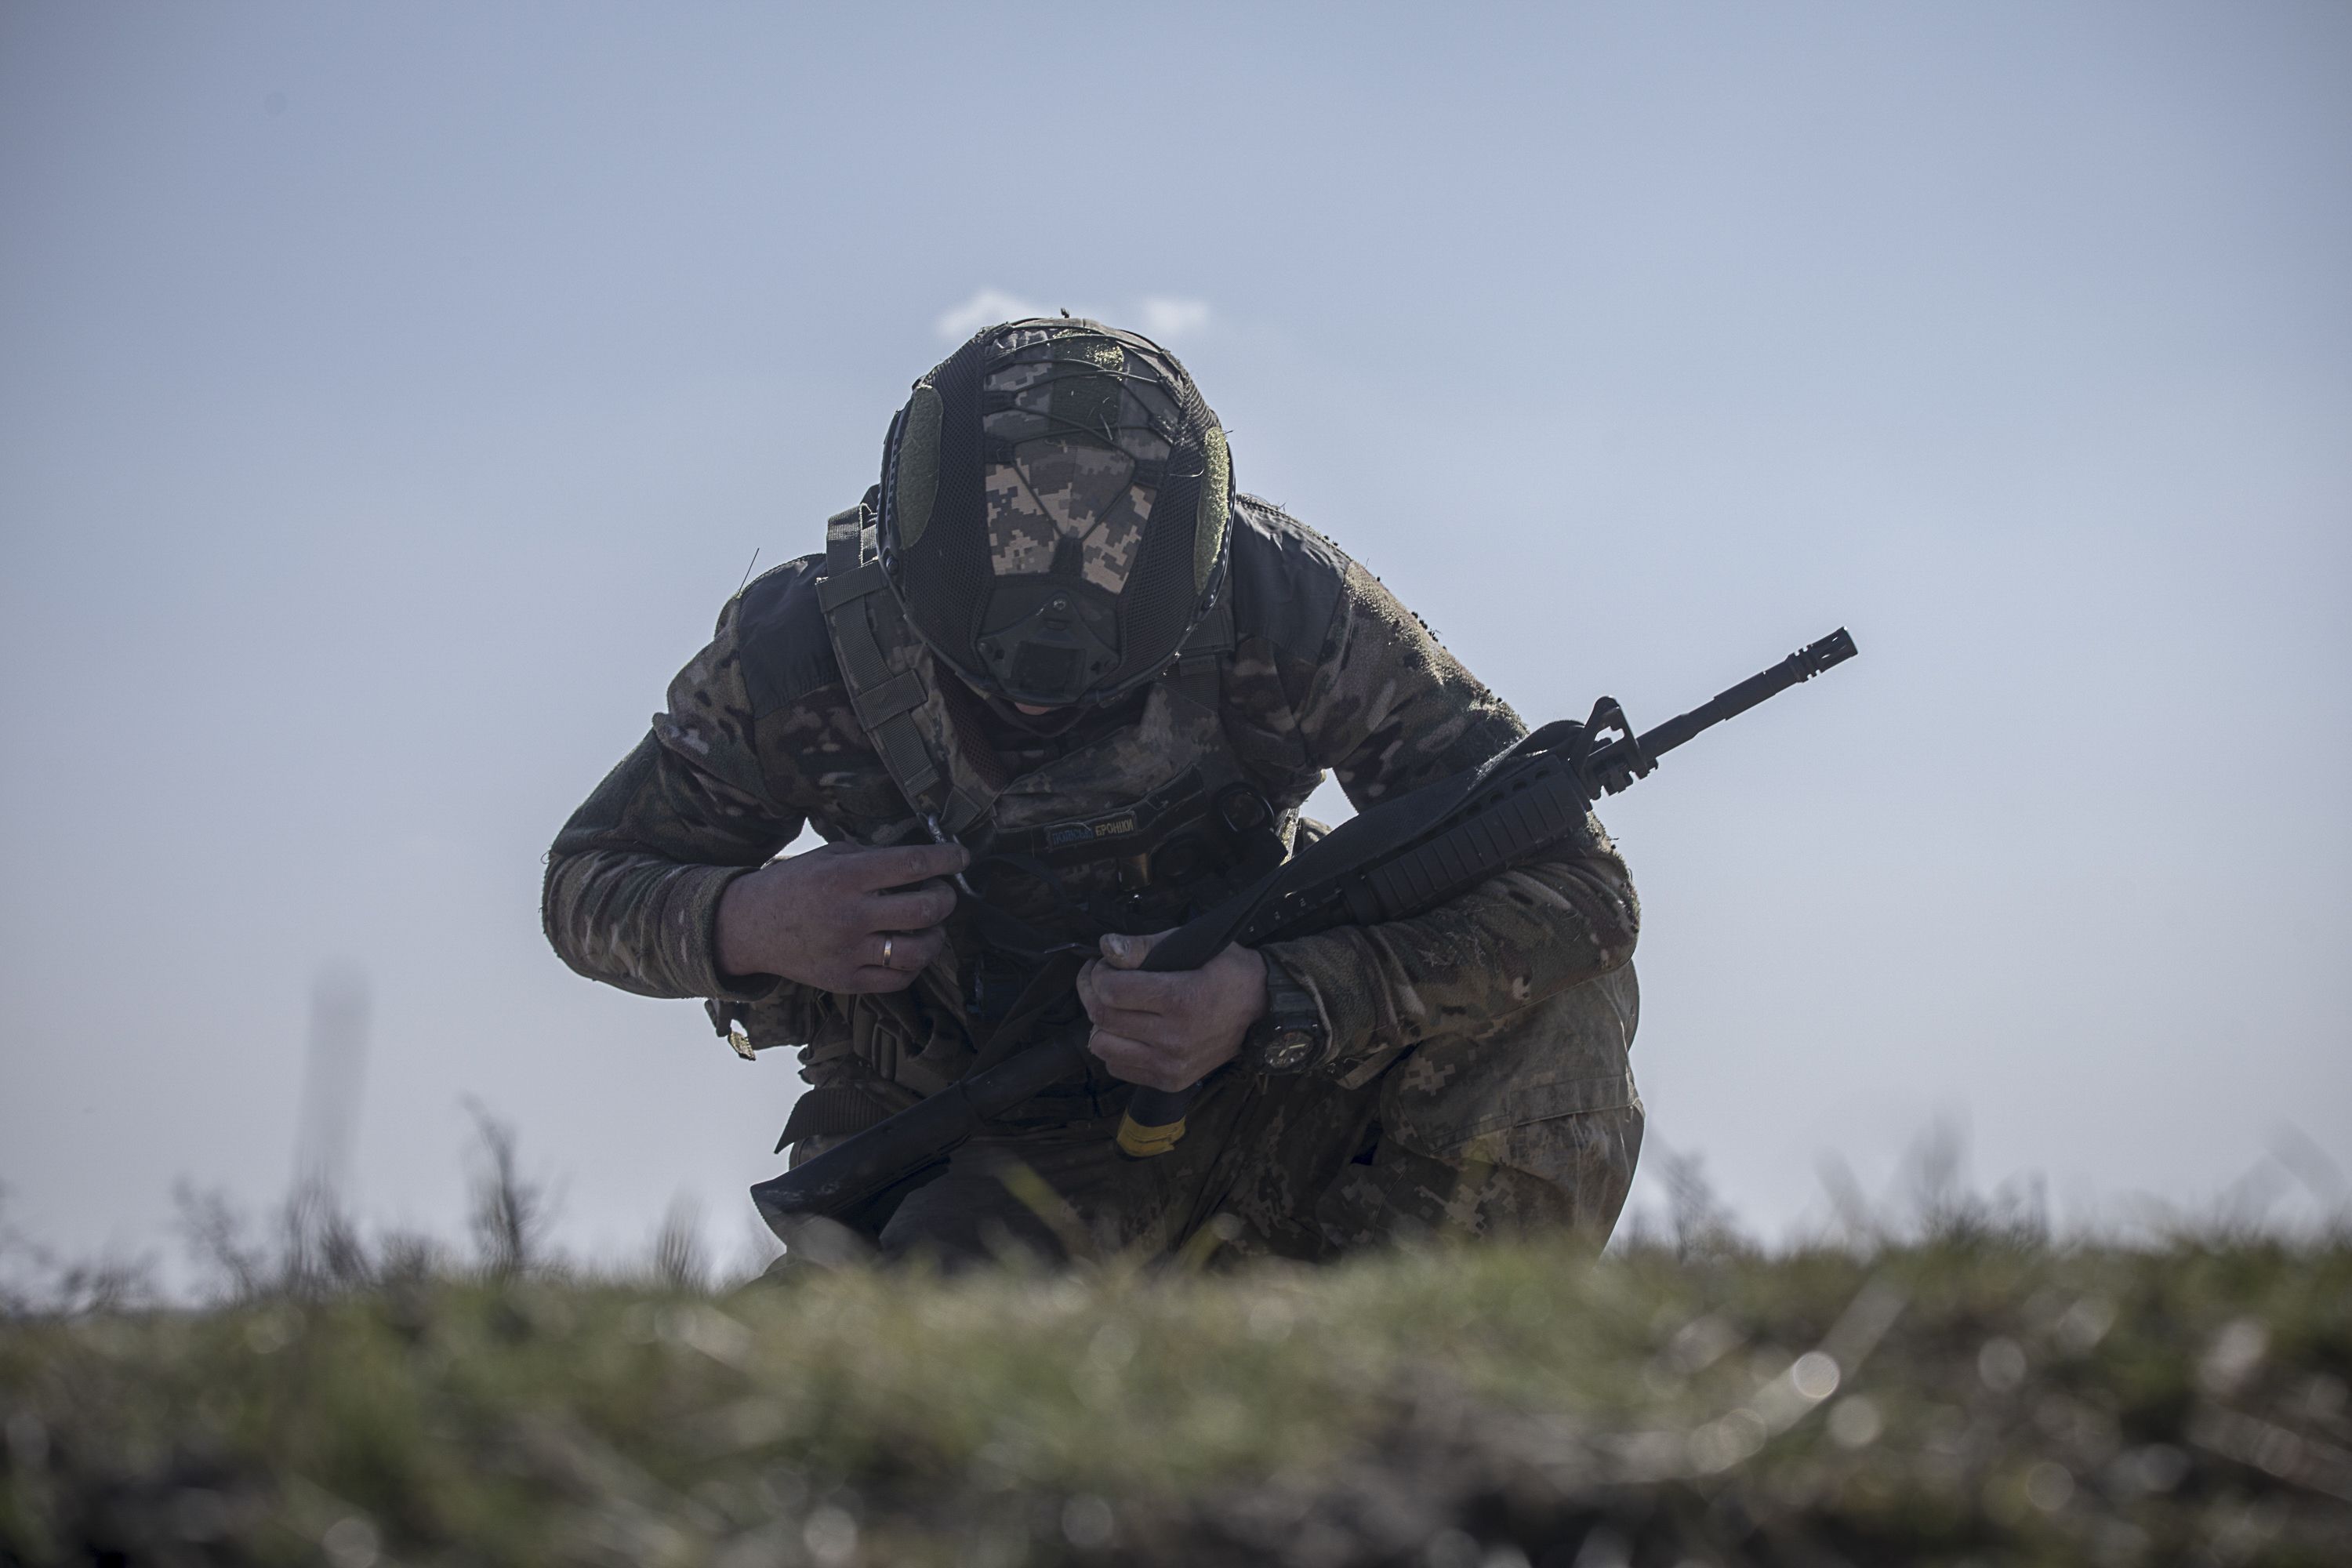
(1082, 416)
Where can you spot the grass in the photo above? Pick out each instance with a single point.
(1984, 1396)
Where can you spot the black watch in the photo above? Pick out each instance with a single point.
(1291, 1036)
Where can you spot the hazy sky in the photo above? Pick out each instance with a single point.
(389, 395)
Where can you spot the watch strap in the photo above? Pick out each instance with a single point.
(1291, 1010)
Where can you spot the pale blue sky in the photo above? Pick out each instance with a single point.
(391, 395)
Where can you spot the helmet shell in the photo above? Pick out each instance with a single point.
(1056, 504)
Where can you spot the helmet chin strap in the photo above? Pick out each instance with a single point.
(1046, 722)
(1052, 723)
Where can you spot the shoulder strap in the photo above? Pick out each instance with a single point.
(857, 605)
(863, 618)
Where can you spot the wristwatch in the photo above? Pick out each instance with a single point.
(1291, 1036)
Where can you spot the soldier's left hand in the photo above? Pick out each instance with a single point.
(1171, 1029)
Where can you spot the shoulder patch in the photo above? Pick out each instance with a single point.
(780, 635)
(1287, 579)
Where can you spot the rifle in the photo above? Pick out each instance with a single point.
(1400, 858)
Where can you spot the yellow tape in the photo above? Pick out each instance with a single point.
(1143, 1143)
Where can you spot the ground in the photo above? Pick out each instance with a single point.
(1980, 1397)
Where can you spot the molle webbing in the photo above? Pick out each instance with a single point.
(835, 1111)
(1121, 832)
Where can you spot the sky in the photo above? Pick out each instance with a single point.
(391, 395)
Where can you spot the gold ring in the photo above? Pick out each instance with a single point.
(888, 944)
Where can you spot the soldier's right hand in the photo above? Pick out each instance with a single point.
(844, 917)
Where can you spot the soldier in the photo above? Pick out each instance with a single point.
(1053, 686)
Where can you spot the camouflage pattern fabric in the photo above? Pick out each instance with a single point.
(1476, 1037)
(1529, 1125)
(1085, 457)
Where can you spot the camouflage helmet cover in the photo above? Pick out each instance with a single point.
(1055, 502)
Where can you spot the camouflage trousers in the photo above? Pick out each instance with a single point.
(1531, 1125)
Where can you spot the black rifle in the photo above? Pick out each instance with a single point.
(1398, 860)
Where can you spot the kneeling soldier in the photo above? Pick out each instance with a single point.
(1054, 688)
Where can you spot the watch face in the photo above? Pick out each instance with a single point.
(1289, 1049)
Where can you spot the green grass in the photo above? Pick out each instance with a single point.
(1978, 1400)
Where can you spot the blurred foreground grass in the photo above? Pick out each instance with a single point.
(1982, 1399)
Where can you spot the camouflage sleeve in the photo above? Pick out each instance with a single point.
(633, 880)
(1387, 710)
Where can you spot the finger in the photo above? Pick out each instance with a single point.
(1100, 988)
(1138, 991)
(870, 870)
(868, 979)
(1132, 1062)
(1156, 1029)
(913, 910)
(1128, 952)
(906, 951)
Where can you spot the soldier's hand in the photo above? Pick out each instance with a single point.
(1170, 1030)
(844, 917)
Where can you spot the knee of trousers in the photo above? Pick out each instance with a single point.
(1548, 1090)
(1568, 1173)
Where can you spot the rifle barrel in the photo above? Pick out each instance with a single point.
(1798, 667)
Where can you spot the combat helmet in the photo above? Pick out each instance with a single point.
(1055, 498)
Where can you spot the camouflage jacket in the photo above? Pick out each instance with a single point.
(1327, 671)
